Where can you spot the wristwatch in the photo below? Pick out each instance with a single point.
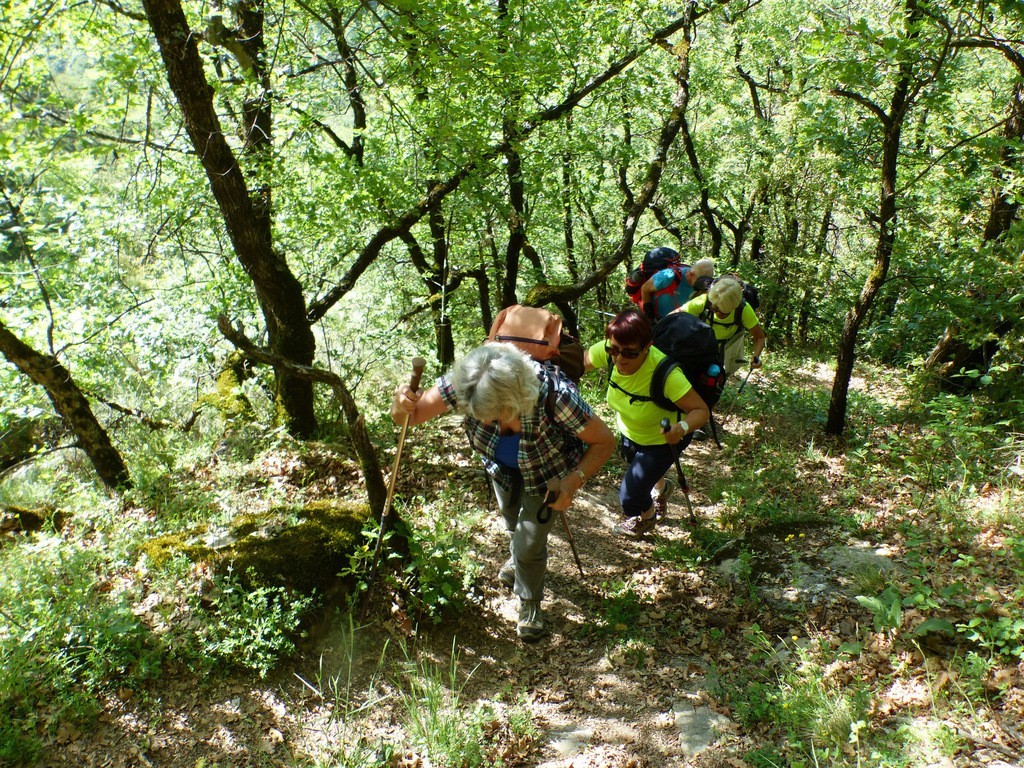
(756, 359)
(581, 475)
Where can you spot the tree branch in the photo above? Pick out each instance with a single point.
(373, 478)
(401, 223)
(864, 102)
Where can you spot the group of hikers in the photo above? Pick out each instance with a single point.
(540, 441)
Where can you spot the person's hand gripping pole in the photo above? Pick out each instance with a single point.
(666, 425)
(554, 489)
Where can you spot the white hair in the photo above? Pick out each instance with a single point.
(703, 268)
(726, 294)
(496, 381)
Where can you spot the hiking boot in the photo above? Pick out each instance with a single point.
(530, 626)
(661, 500)
(636, 526)
(507, 573)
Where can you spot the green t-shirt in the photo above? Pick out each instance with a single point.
(640, 421)
(724, 327)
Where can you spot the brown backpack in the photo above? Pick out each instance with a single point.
(538, 333)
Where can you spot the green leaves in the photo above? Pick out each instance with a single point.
(936, 626)
(887, 609)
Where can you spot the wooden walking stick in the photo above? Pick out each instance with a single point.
(386, 516)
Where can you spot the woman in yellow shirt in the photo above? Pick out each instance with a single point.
(649, 452)
(719, 308)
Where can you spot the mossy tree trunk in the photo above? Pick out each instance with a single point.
(247, 213)
(71, 404)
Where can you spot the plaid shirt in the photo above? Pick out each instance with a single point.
(548, 448)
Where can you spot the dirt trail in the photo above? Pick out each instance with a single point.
(632, 645)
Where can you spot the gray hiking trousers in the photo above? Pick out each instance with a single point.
(529, 545)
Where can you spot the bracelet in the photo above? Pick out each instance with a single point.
(686, 426)
(581, 475)
(756, 358)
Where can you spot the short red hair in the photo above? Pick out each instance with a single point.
(630, 328)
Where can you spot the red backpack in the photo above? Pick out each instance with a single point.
(638, 277)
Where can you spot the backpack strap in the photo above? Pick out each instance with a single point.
(551, 375)
(708, 316)
(633, 398)
(657, 394)
(658, 381)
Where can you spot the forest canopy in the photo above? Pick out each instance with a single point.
(356, 182)
(226, 230)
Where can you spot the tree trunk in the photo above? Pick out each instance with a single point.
(808, 299)
(72, 405)
(434, 280)
(247, 216)
(892, 123)
(883, 253)
(952, 354)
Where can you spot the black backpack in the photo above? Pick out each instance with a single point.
(690, 345)
(750, 295)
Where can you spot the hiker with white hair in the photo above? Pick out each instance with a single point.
(732, 318)
(530, 426)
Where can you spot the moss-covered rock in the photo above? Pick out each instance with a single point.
(310, 553)
(160, 549)
(14, 519)
(302, 549)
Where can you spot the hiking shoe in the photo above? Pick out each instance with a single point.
(530, 626)
(507, 573)
(636, 526)
(661, 500)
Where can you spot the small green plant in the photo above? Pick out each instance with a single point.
(521, 724)
(787, 690)
(999, 636)
(246, 625)
(65, 635)
(870, 579)
(622, 607)
(886, 609)
(438, 570)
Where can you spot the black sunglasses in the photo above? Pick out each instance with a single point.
(629, 354)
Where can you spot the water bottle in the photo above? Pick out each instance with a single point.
(711, 379)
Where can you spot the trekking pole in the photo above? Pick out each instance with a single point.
(549, 498)
(740, 392)
(418, 364)
(666, 425)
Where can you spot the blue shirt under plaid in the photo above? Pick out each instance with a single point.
(548, 448)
